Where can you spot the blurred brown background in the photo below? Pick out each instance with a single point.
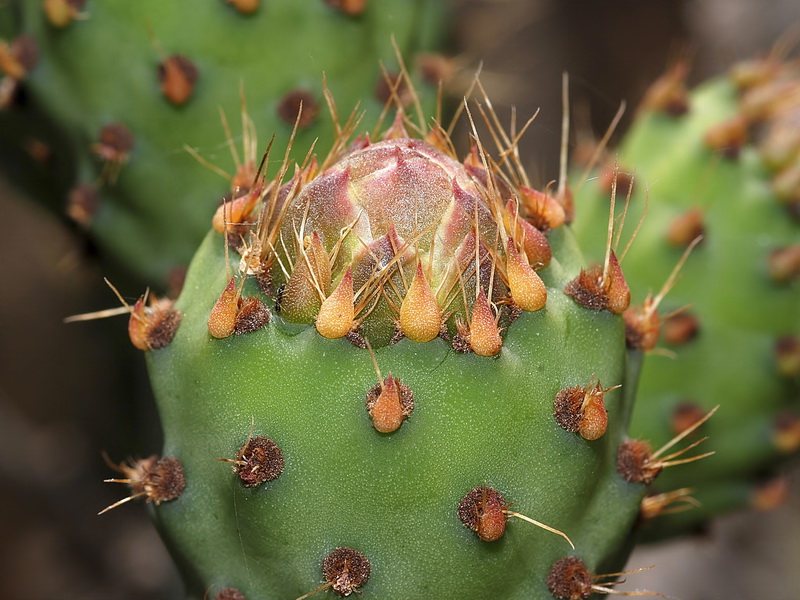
(69, 391)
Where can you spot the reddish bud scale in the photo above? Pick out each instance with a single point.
(527, 288)
(420, 317)
(337, 314)
(544, 211)
(484, 335)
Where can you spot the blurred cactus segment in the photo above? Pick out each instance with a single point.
(163, 72)
(715, 168)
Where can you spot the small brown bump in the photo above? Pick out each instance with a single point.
(634, 462)
(82, 204)
(569, 579)
(246, 7)
(770, 494)
(787, 355)
(668, 94)
(596, 290)
(259, 460)
(392, 82)
(355, 337)
(482, 510)
(543, 210)
(642, 326)
(163, 326)
(614, 174)
(351, 8)
(346, 570)
(727, 137)
(18, 57)
(156, 479)
(786, 433)
(298, 102)
(680, 329)
(153, 327)
(389, 404)
(784, 264)
(114, 145)
(684, 415)
(582, 410)
(177, 76)
(61, 13)
(685, 228)
(229, 593)
(435, 68)
(251, 315)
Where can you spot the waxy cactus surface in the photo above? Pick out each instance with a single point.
(393, 375)
(716, 167)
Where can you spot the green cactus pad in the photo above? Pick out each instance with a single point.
(393, 468)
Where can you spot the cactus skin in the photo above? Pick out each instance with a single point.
(103, 69)
(687, 162)
(395, 497)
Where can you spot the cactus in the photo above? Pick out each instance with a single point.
(132, 84)
(373, 360)
(720, 162)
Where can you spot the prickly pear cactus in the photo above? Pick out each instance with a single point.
(720, 162)
(139, 86)
(390, 374)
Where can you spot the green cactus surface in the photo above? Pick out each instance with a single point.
(133, 84)
(715, 162)
(398, 441)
